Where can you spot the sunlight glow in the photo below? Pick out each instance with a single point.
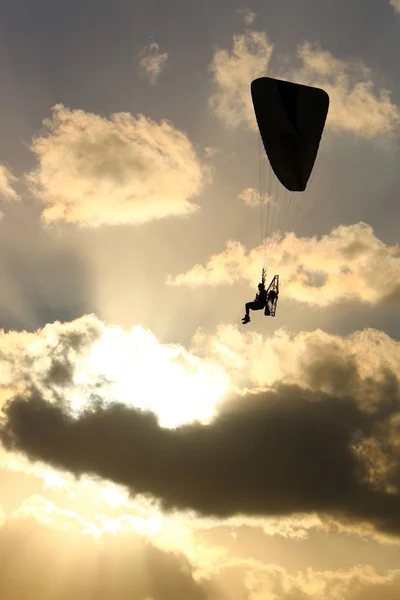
(113, 496)
(166, 379)
(97, 508)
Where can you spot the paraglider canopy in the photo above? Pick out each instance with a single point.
(291, 118)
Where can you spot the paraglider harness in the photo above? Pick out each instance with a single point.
(271, 294)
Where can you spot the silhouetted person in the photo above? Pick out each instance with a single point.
(259, 302)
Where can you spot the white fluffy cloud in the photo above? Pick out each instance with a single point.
(95, 171)
(349, 263)
(354, 103)
(152, 61)
(233, 72)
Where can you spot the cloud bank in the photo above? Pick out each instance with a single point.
(349, 263)
(324, 440)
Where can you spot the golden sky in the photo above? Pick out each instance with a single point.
(151, 446)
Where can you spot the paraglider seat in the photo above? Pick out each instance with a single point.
(272, 297)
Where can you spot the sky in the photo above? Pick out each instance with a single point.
(152, 447)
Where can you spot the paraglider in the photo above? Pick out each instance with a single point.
(265, 299)
(291, 119)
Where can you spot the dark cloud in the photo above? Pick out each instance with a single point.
(280, 452)
(127, 567)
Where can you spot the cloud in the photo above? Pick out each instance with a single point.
(248, 16)
(152, 61)
(127, 565)
(210, 151)
(396, 5)
(349, 263)
(359, 583)
(6, 181)
(94, 507)
(233, 72)
(49, 358)
(83, 358)
(252, 197)
(221, 269)
(354, 104)
(292, 448)
(299, 425)
(95, 171)
(313, 360)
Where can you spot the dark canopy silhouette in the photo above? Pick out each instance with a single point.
(291, 118)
